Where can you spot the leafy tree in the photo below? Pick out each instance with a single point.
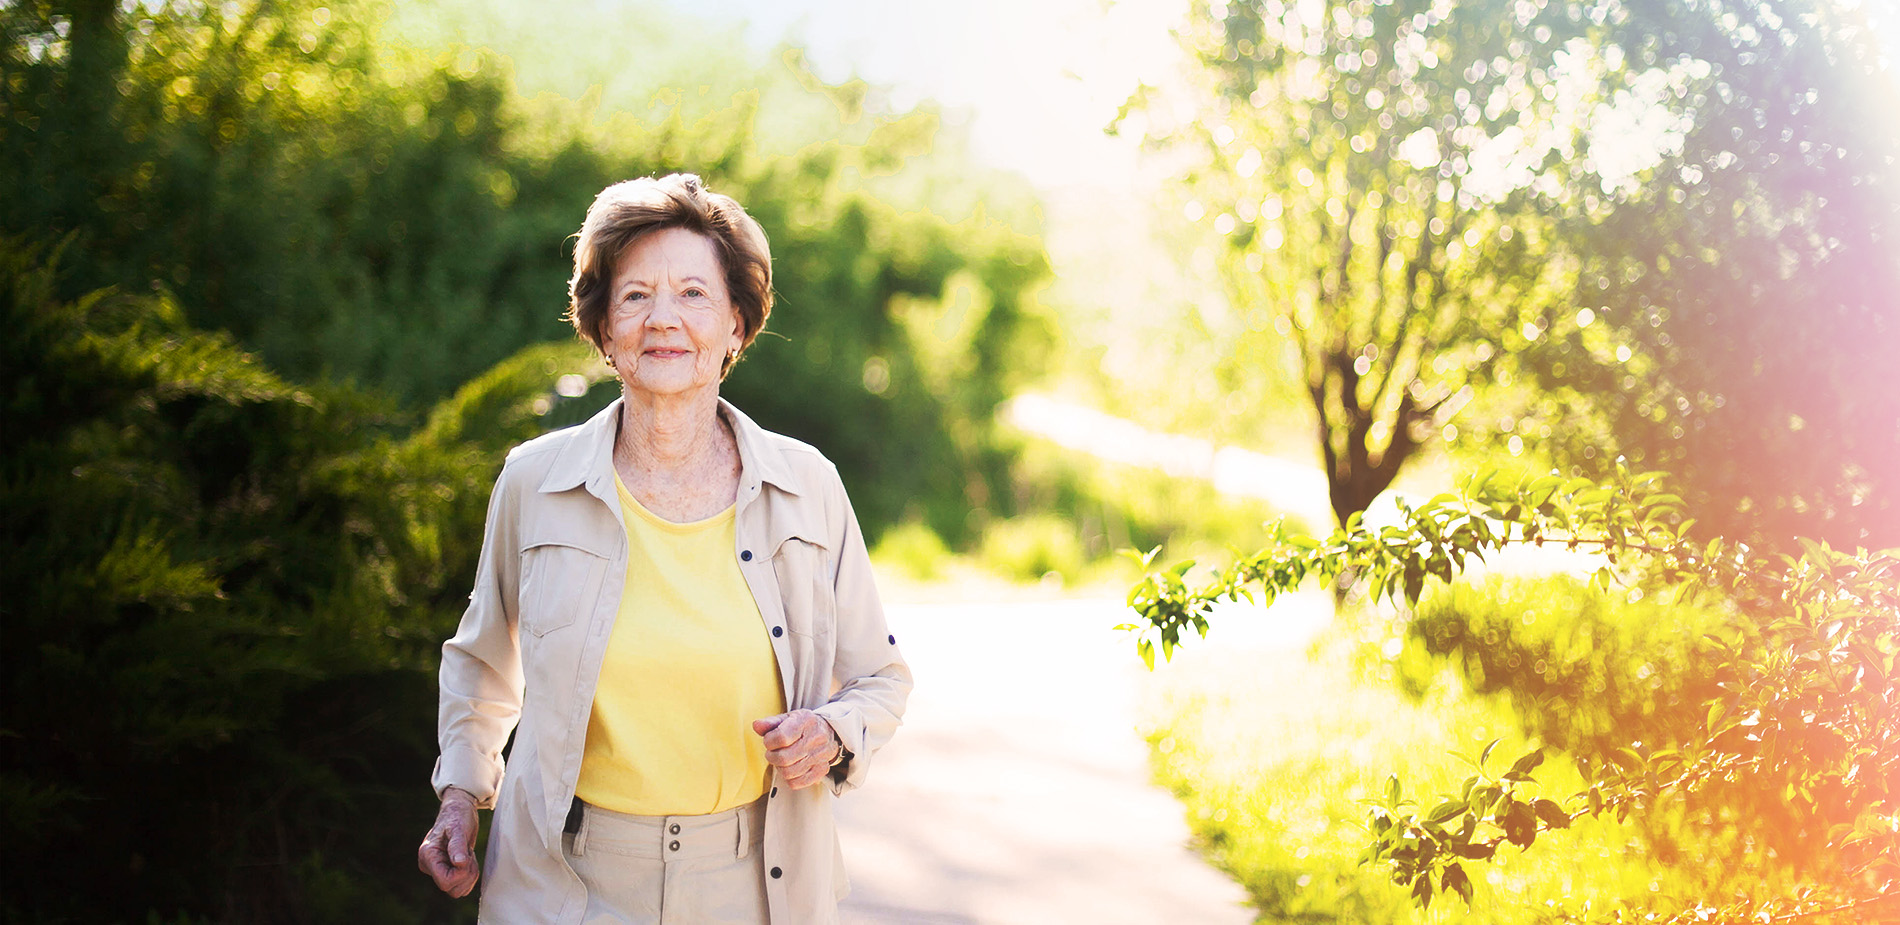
(1354, 159)
(1698, 195)
(1793, 749)
(1743, 292)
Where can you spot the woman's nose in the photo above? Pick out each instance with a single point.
(662, 313)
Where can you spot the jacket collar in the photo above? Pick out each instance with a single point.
(587, 457)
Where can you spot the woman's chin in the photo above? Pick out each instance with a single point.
(670, 386)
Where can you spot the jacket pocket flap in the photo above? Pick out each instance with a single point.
(560, 581)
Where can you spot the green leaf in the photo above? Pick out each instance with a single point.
(1486, 754)
(1553, 815)
(1594, 497)
(1520, 824)
(1445, 810)
(1631, 759)
(1522, 769)
(1478, 851)
(1392, 791)
(1140, 558)
(1455, 881)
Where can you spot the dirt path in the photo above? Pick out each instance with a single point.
(1018, 790)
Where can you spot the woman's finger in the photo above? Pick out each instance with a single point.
(463, 881)
(435, 862)
(458, 839)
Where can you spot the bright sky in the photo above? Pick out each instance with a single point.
(1040, 78)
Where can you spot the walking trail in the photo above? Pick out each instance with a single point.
(1018, 790)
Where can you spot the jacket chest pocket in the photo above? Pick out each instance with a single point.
(804, 580)
(560, 582)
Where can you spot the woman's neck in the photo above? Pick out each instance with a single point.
(668, 434)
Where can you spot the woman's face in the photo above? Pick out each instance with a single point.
(671, 323)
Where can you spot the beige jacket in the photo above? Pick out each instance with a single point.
(528, 653)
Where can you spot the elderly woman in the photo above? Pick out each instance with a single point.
(673, 613)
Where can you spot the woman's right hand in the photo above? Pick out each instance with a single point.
(447, 854)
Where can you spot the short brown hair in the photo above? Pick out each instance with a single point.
(632, 209)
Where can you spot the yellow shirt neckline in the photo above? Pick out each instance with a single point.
(632, 503)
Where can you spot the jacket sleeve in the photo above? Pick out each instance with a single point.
(481, 678)
(871, 680)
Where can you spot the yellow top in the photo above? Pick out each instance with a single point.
(687, 670)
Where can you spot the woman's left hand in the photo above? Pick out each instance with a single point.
(800, 744)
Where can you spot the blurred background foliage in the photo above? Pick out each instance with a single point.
(284, 281)
(1657, 230)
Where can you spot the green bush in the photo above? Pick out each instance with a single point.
(1033, 546)
(222, 598)
(1116, 507)
(1588, 671)
(914, 550)
(1592, 672)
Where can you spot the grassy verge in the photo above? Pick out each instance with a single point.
(1271, 752)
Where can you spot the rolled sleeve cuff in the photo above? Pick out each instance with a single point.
(467, 769)
(849, 726)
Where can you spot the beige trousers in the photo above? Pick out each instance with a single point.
(671, 870)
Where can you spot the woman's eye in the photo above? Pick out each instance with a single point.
(695, 293)
(635, 296)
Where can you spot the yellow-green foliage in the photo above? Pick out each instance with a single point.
(1117, 506)
(1587, 669)
(1033, 545)
(914, 550)
(1272, 752)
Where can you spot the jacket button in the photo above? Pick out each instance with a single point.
(674, 828)
(776, 873)
(893, 639)
(778, 631)
(775, 791)
(745, 555)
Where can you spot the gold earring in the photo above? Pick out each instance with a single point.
(610, 359)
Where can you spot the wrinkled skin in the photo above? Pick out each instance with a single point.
(447, 854)
(800, 744)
